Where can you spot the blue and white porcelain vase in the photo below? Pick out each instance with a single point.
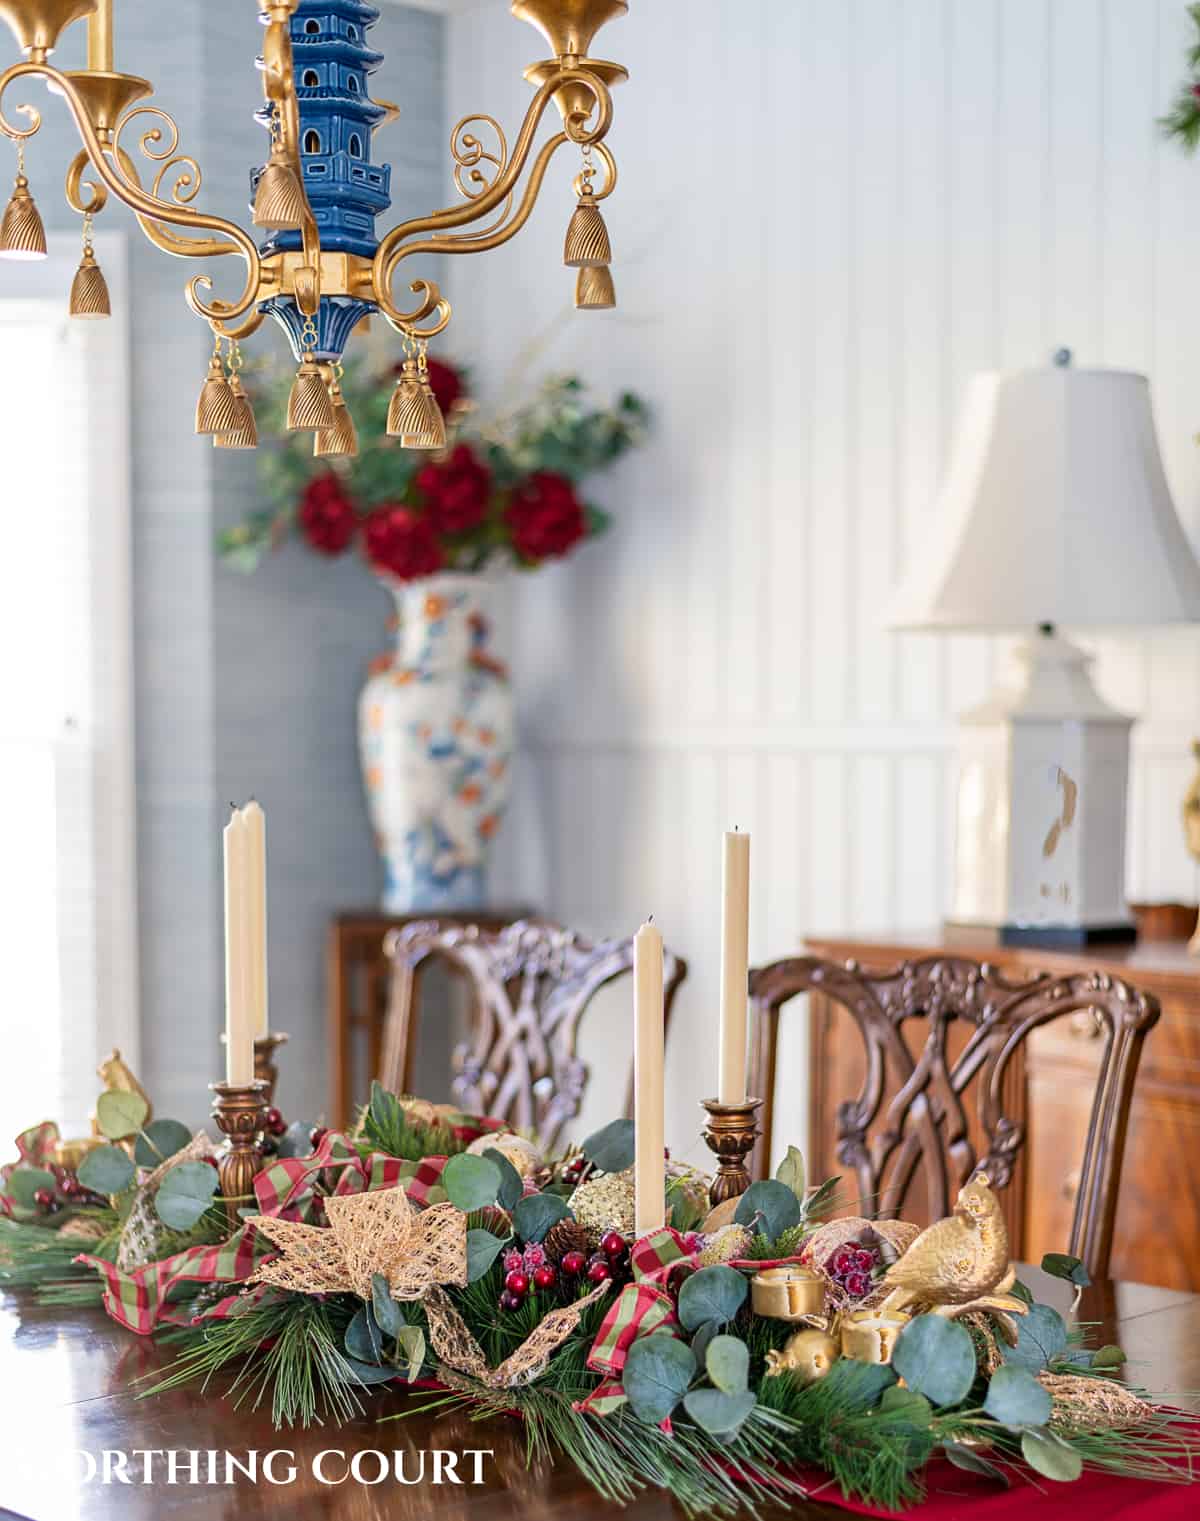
(436, 743)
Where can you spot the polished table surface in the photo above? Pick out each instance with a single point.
(66, 1378)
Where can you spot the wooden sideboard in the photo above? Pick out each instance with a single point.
(1158, 1219)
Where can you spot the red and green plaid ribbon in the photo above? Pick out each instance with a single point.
(141, 1300)
(641, 1308)
(35, 1148)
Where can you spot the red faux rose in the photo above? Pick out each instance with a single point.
(326, 515)
(545, 516)
(446, 382)
(456, 490)
(401, 544)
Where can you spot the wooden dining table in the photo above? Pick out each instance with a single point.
(70, 1393)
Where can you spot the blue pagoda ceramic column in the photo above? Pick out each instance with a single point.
(345, 189)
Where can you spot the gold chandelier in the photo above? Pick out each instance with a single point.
(321, 269)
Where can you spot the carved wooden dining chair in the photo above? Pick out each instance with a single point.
(531, 984)
(923, 1110)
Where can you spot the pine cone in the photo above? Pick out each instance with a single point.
(566, 1236)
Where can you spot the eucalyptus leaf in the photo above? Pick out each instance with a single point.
(511, 1183)
(657, 1372)
(770, 1207)
(482, 1250)
(24, 1182)
(792, 1173)
(471, 1182)
(120, 1114)
(914, 1407)
(720, 1414)
(364, 1340)
(106, 1170)
(973, 1462)
(727, 1362)
(1015, 1398)
(389, 1317)
(410, 1351)
(936, 1358)
(700, 1342)
(611, 1148)
(712, 1294)
(184, 1194)
(159, 1141)
(1108, 1358)
(364, 1373)
(1059, 1265)
(535, 1214)
(1050, 1455)
(1041, 1337)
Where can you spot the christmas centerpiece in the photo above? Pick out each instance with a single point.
(435, 717)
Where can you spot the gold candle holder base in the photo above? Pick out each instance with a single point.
(265, 1067)
(731, 1132)
(239, 1112)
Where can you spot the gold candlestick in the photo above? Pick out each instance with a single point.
(239, 1113)
(265, 1067)
(731, 1132)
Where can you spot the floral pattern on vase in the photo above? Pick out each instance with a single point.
(436, 742)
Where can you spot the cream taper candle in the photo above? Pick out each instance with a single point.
(649, 1161)
(735, 967)
(256, 903)
(239, 1028)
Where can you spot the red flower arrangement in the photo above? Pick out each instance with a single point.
(508, 494)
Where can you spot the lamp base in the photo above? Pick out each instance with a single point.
(1043, 775)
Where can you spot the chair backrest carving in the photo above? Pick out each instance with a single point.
(532, 984)
(911, 1111)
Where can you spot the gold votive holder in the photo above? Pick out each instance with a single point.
(70, 1153)
(240, 1113)
(870, 1336)
(787, 1293)
(730, 1134)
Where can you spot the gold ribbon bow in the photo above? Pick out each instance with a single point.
(368, 1233)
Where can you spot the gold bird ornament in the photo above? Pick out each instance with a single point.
(959, 1265)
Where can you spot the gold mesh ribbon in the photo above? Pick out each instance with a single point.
(1082, 1403)
(457, 1349)
(368, 1233)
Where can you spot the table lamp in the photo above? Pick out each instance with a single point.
(1055, 512)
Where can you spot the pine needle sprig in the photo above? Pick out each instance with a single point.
(1182, 120)
(35, 1257)
(287, 1347)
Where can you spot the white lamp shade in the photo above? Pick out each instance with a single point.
(1055, 510)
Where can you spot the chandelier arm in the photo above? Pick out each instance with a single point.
(75, 185)
(133, 196)
(389, 251)
(240, 330)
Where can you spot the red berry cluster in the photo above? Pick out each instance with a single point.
(275, 1125)
(575, 1169)
(531, 1271)
(67, 1190)
(852, 1268)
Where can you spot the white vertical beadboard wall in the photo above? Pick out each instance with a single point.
(831, 212)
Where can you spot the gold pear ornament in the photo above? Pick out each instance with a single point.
(958, 1264)
(808, 1354)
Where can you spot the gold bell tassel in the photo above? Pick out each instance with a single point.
(279, 201)
(216, 411)
(89, 289)
(406, 410)
(342, 438)
(244, 435)
(587, 244)
(431, 430)
(594, 289)
(309, 407)
(22, 235)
